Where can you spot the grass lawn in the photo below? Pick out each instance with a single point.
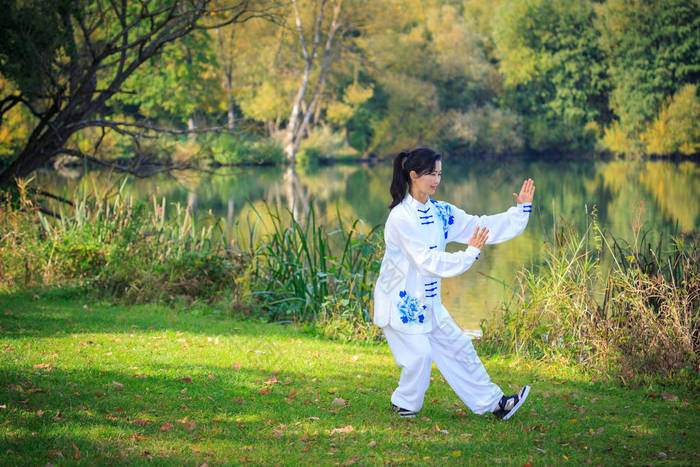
(86, 382)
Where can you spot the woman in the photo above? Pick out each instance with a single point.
(407, 305)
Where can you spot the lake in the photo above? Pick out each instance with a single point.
(662, 196)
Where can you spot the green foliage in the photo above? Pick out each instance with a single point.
(177, 82)
(654, 50)
(241, 149)
(47, 23)
(485, 130)
(554, 71)
(322, 143)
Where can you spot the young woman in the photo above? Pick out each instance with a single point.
(407, 304)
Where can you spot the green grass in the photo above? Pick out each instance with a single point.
(87, 382)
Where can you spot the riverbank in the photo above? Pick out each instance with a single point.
(85, 381)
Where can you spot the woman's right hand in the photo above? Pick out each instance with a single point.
(479, 238)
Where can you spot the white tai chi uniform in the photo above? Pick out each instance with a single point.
(407, 304)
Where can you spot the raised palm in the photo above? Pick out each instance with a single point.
(527, 192)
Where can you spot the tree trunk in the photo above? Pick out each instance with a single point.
(296, 130)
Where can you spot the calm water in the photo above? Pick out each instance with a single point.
(664, 195)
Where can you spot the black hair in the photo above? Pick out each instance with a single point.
(420, 160)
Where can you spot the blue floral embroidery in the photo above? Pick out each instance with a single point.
(444, 212)
(409, 309)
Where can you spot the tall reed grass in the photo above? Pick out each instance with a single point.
(117, 246)
(619, 309)
(305, 272)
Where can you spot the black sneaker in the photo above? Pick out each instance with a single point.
(403, 413)
(508, 405)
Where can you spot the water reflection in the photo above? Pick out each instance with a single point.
(664, 193)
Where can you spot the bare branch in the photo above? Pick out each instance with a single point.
(134, 170)
(121, 128)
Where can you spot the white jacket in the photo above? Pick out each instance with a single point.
(407, 292)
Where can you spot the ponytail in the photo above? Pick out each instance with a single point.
(420, 160)
(399, 182)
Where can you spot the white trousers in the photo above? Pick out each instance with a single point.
(454, 355)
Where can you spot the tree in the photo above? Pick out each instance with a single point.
(653, 52)
(298, 119)
(554, 71)
(67, 58)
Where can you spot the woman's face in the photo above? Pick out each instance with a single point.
(427, 183)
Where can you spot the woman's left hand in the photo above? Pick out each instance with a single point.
(527, 192)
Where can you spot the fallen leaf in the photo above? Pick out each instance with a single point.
(141, 422)
(189, 426)
(186, 379)
(345, 429)
(117, 386)
(372, 443)
(138, 437)
(210, 376)
(278, 433)
(236, 366)
(339, 402)
(77, 451)
(669, 397)
(166, 427)
(263, 391)
(272, 380)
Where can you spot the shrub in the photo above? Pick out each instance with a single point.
(486, 130)
(676, 129)
(241, 149)
(321, 143)
(617, 309)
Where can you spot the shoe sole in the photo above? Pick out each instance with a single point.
(526, 391)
